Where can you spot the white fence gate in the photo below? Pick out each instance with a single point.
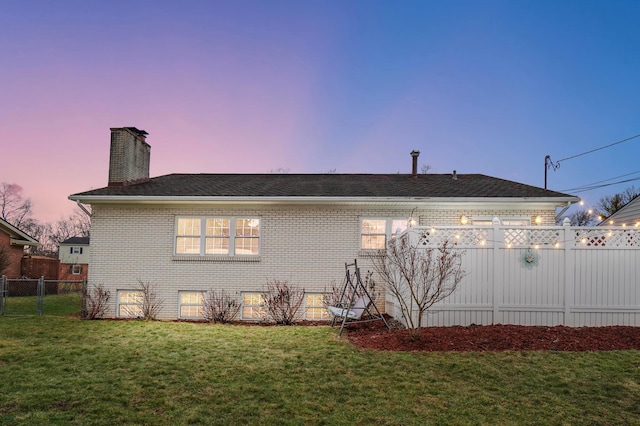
(574, 276)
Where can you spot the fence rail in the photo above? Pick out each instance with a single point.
(566, 275)
(26, 296)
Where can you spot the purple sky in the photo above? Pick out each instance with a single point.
(253, 86)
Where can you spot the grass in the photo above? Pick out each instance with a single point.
(60, 370)
(54, 304)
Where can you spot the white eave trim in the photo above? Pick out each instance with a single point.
(15, 242)
(412, 201)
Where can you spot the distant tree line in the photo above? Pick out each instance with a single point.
(18, 211)
(608, 205)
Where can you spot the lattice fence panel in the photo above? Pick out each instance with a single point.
(525, 237)
(602, 237)
(467, 237)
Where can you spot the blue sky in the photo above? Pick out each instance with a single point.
(310, 86)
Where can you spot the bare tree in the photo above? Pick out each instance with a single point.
(418, 277)
(14, 208)
(610, 204)
(582, 217)
(77, 224)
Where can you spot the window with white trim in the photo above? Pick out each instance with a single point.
(191, 304)
(130, 303)
(508, 221)
(314, 307)
(76, 250)
(75, 269)
(222, 236)
(253, 306)
(375, 232)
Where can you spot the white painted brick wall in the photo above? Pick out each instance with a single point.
(307, 246)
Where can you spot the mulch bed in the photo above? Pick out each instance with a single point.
(374, 335)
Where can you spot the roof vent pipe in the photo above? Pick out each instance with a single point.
(414, 166)
(455, 175)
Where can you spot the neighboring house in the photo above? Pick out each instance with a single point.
(16, 244)
(74, 258)
(629, 215)
(187, 234)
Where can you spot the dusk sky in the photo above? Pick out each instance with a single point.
(308, 86)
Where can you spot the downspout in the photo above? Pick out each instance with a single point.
(559, 215)
(83, 208)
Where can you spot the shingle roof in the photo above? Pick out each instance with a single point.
(326, 185)
(76, 240)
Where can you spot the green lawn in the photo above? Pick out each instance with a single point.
(60, 370)
(54, 304)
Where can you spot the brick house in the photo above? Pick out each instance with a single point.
(191, 233)
(73, 254)
(15, 243)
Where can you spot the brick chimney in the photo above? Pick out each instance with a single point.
(129, 157)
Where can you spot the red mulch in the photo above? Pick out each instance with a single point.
(374, 335)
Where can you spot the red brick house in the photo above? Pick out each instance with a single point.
(13, 241)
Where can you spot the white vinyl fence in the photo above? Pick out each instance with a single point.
(563, 275)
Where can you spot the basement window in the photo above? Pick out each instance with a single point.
(314, 307)
(130, 304)
(253, 306)
(191, 304)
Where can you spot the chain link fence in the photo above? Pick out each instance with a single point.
(26, 296)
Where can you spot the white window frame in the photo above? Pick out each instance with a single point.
(314, 311)
(233, 238)
(199, 305)
(257, 309)
(134, 298)
(76, 269)
(76, 250)
(506, 221)
(389, 231)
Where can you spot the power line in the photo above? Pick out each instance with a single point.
(555, 165)
(598, 149)
(588, 185)
(591, 188)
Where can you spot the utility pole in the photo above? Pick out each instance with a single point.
(549, 164)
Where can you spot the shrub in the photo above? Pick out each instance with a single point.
(151, 304)
(95, 303)
(220, 307)
(282, 301)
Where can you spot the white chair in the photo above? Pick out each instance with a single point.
(356, 310)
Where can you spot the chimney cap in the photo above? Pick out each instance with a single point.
(137, 131)
(415, 153)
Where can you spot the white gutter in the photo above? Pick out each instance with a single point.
(119, 199)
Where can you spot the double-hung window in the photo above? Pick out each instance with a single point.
(314, 307)
(253, 306)
(130, 303)
(191, 304)
(374, 233)
(222, 236)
